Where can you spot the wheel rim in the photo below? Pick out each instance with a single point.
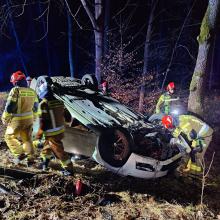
(120, 146)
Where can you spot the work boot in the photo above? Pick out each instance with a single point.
(44, 164)
(16, 161)
(66, 172)
(29, 162)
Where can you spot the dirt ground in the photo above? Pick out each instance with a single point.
(108, 196)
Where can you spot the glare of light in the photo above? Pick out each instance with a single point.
(175, 112)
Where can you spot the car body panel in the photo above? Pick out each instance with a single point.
(140, 166)
(78, 141)
(97, 114)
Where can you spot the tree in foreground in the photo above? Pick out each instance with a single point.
(199, 78)
(97, 24)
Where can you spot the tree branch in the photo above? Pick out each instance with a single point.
(22, 10)
(47, 21)
(174, 49)
(89, 13)
(74, 16)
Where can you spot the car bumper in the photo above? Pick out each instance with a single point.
(142, 167)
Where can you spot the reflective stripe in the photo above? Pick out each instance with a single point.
(55, 104)
(22, 118)
(55, 129)
(65, 163)
(185, 125)
(203, 130)
(48, 134)
(44, 111)
(53, 121)
(19, 104)
(197, 121)
(6, 114)
(23, 114)
(27, 93)
(196, 168)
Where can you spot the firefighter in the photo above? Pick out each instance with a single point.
(20, 111)
(52, 127)
(197, 134)
(104, 87)
(164, 102)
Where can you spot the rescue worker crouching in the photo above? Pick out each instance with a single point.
(20, 110)
(164, 103)
(197, 134)
(52, 127)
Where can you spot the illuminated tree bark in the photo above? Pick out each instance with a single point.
(205, 38)
(146, 54)
(97, 23)
(70, 43)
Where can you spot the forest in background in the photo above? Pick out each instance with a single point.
(38, 42)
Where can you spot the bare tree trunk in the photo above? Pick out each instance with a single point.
(70, 44)
(8, 2)
(198, 83)
(146, 54)
(98, 38)
(106, 27)
(98, 53)
(97, 23)
(212, 63)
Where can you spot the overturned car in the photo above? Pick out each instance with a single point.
(115, 136)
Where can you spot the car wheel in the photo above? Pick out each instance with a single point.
(115, 146)
(90, 81)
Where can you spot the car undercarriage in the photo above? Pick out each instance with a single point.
(115, 136)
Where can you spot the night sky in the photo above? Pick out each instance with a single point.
(49, 56)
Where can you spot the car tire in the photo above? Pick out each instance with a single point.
(90, 81)
(115, 146)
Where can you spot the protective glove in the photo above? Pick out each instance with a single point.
(197, 149)
(194, 144)
(5, 120)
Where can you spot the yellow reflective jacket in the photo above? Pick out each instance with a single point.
(163, 104)
(189, 122)
(52, 117)
(22, 103)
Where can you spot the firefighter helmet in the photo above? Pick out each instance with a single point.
(43, 87)
(28, 78)
(167, 121)
(17, 76)
(170, 86)
(42, 90)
